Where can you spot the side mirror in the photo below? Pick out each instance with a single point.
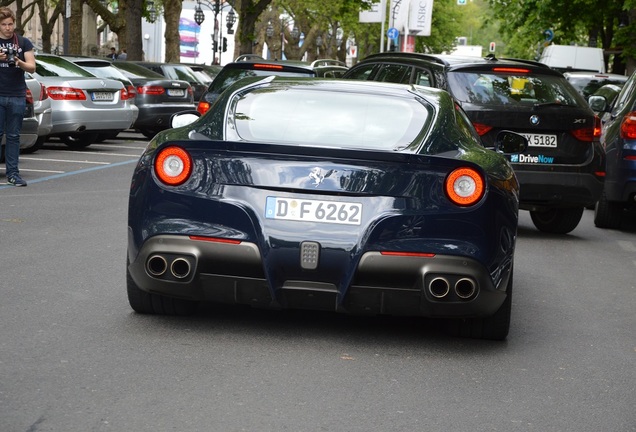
(508, 142)
(597, 103)
(184, 118)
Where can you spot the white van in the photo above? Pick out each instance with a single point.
(570, 58)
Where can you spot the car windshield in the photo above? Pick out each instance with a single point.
(229, 76)
(58, 67)
(587, 86)
(107, 71)
(302, 116)
(132, 70)
(491, 88)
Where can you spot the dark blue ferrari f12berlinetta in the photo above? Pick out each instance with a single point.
(308, 193)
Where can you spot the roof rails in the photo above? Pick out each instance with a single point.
(421, 56)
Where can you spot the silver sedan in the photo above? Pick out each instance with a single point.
(84, 106)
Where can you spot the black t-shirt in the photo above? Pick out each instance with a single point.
(12, 81)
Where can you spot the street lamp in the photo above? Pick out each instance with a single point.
(230, 20)
(152, 12)
(199, 17)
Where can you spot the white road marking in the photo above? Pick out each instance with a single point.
(627, 246)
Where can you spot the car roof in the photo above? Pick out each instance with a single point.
(263, 64)
(454, 62)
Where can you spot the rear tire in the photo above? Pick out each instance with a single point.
(557, 220)
(79, 141)
(35, 147)
(495, 327)
(147, 303)
(608, 214)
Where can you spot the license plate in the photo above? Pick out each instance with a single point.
(102, 96)
(176, 92)
(335, 212)
(541, 140)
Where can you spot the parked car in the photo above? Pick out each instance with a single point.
(104, 69)
(178, 71)
(330, 195)
(619, 139)
(83, 105)
(29, 131)
(205, 73)
(157, 98)
(42, 111)
(562, 170)
(609, 93)
(586, 83)
(233, 72)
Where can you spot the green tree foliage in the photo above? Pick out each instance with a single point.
(582, 22)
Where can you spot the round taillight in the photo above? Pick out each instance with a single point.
(464, 186)
(173, 165)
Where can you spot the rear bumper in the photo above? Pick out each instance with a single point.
(440, 286)
(548, 189)
(85, 120)
(157, 117)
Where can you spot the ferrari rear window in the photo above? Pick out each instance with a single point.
(344, 120)
(509, 88)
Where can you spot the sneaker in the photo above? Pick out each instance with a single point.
(16, 180)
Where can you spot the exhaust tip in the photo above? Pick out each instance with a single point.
(465, 288)
(156, 265)
(180, 268)
(439, 287)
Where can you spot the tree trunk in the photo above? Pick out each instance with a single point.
(48, 26)
(248, 13)
(75, 28)
(172, 13)
(133, 42)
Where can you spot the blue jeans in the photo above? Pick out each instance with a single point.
(11, 115)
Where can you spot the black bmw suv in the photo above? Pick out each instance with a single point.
(561, 172)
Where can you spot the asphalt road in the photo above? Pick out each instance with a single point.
(74, 357)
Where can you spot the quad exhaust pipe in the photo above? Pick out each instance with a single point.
(157, 266)
(440, 288)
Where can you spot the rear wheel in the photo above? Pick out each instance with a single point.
(148, 133)
(494, 327)
(557, 220)
(79, 141)
(147, 303)
(35, 147)
(608, 214)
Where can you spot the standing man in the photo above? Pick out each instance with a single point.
(16, 57)
(113, 54)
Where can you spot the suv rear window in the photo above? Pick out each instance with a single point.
(492, 88)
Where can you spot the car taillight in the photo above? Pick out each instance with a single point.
(482, 129)
(173, 165)
(132, 92)
(65, 93)
(151, 90)
(123, 94)
(267, 66)
(628, 126)
(511, 70)
(203, 107)
(29, 97)
(589, 134)
(190, 91)
(44, 94)
(464, 186)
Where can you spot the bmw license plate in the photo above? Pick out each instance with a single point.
(304, 210)
(102, 96)
(176, 92)
(541, 140)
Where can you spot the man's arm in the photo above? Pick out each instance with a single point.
(29, 64)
